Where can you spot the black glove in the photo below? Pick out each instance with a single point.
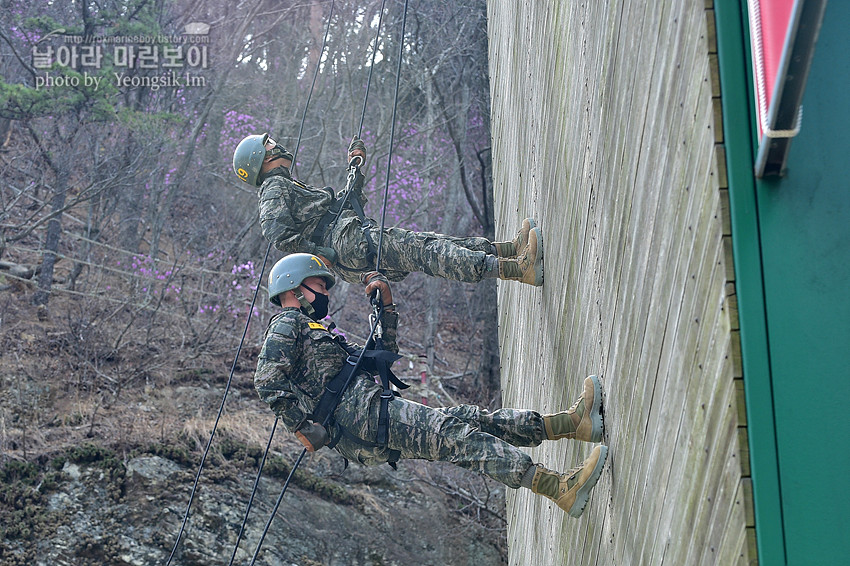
(312, 435)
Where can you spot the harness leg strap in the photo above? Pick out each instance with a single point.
(384, 418)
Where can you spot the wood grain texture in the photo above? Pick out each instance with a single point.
(604, 120)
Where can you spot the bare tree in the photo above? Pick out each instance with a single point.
(135, 175)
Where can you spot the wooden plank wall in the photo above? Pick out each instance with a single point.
(605, 130)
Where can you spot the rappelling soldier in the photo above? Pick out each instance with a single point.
(296, 217)
(299, 369)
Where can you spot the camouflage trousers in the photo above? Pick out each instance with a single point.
(466, 435)
(404, 251)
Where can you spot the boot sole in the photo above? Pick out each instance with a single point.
(538, 260)
(583, 493)
(596, 411)
(532, 225)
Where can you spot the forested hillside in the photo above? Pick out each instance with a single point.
(130, 253)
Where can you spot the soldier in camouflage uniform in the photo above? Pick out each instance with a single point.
(293, 218)
(300, 356)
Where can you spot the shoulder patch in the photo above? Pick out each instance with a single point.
(316, 326)
(284, 326)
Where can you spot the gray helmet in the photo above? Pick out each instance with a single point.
(248, 158)
(289, 272)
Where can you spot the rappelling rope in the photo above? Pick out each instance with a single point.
(378, 305)
(253, 493)
(217, 419)
(353, 163)
(392, 137)
(268, 249)
(371, 67)
(245, 333)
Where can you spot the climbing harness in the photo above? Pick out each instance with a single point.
(333, 398)
(352, 199)
(374, 360)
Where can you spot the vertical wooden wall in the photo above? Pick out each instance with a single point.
(605, 131)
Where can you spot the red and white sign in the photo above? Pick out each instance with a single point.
(769, 21)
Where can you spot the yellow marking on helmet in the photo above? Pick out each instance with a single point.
(318, 261)
(242, 174)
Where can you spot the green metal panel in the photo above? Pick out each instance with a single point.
(805, 241)
(738, 137)
(791, 241)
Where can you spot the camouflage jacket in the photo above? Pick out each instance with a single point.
(290, 211)
(299, 356)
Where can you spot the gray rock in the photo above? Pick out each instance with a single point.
(396, 520)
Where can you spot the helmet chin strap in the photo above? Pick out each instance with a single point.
(278, 154)
(278, 151)
(305, 305)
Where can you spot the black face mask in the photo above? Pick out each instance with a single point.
(319, 304)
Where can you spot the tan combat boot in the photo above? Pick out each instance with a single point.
(582, 421)
(517, 245)
(528, 267)
(572, 489)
